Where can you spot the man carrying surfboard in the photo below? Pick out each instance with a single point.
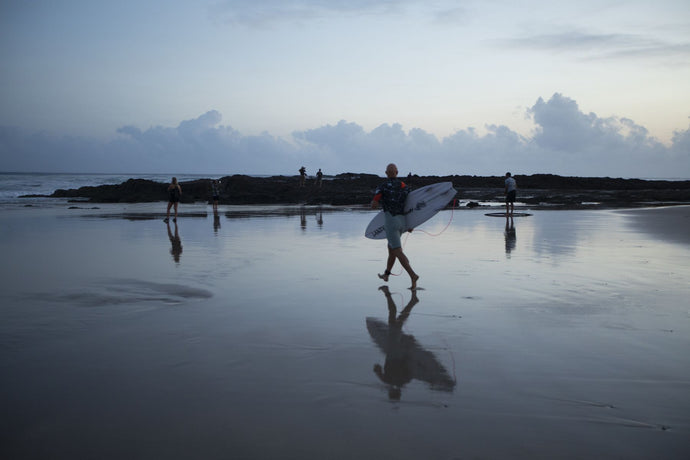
(391, 196)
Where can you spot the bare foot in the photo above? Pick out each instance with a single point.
(414, 278)
(385, 276)
(414, 300)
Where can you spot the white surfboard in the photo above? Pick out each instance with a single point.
(421, 205)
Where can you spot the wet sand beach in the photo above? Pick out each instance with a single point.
(265, 333)
(668, 223)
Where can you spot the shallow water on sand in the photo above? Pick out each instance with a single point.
(265, 334)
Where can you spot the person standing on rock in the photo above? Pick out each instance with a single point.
(319, 178)
(302, 176)
(174, 192)
(391, 195)
(510, 192)
(215, 194)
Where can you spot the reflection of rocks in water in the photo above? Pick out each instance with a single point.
(129, 292)
(140, 216)
(243, 212)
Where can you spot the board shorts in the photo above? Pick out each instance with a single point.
(395, 226)
(510, 197)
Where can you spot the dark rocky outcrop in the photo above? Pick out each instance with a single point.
(357, 189)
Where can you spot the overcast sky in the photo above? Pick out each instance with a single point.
(594, 87)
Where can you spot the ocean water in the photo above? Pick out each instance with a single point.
(15, 185)
(264, 332)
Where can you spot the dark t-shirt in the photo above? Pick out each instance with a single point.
(393, 194)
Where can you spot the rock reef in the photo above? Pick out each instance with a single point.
(350, 189)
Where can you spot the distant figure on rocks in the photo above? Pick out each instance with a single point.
(319, 178)
(392, 194)
(215, 194)
(302, 176)
(510, 192)
(174, 192)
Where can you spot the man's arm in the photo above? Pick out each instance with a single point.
(375, 201)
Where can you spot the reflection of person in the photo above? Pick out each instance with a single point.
(216, 221)
(319, 218)
(302, 218)
(405, 357)
(176, 249)
(215, 194)
(174, 192)
(391, 195)
(510, 236)
(396, 370)
(302, 176)
(510, 192)
(319, 178)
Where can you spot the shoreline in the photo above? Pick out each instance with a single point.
(666, 222)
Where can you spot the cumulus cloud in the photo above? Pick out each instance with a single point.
(566, 141)
(589, 142)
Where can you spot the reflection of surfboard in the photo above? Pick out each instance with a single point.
(421, 205)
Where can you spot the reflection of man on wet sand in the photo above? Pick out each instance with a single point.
(302, 218)
(176, 243)
(216, 221)
(405, 358)
(510, 236)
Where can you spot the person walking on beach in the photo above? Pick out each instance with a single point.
(391, 195)
(174, 192)
(510, 192)
(215, 194)
(302, 176)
